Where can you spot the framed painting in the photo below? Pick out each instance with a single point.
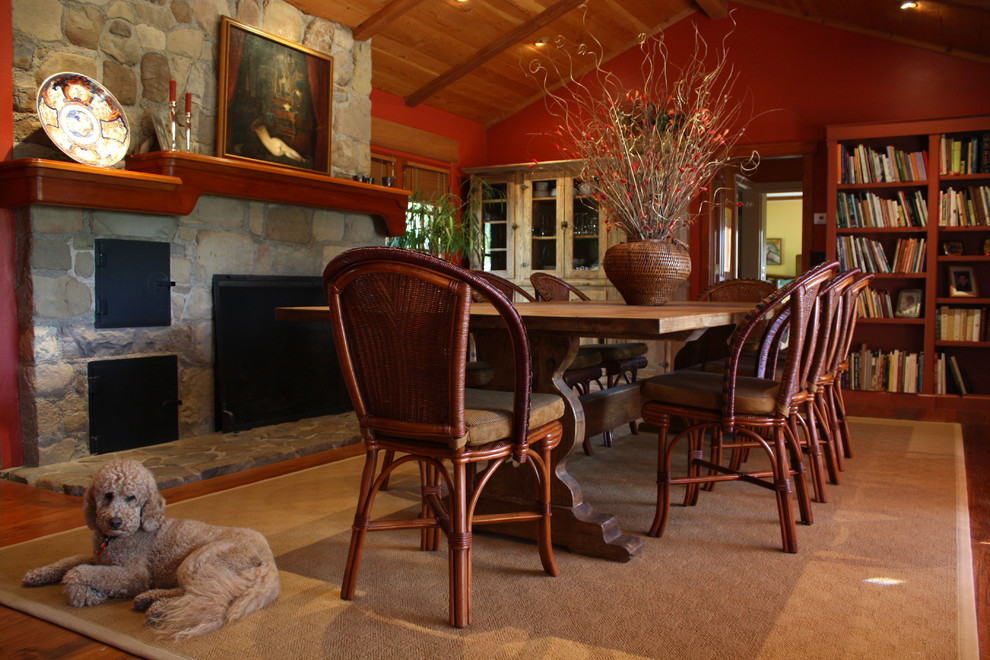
(274, 99)
(773, 251)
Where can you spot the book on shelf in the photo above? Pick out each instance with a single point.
(862, 164)
(965, 155)
(859, 210)
(909, 256)
(960, 323)
(959, 379)
(886, 371)
(861, 252)
(874, 304)
(967, 207)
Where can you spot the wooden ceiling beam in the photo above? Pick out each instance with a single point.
(382, 18)
(713, 9)
(498, 46)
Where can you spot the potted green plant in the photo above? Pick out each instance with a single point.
(444, 226)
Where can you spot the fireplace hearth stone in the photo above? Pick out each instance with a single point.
(197, 458)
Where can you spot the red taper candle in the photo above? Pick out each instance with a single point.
(188, 102)
(171, 91)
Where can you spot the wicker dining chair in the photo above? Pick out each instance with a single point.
(400, 325)
(621, 361)
(833, 403)
(713, 343)
(736, 411)
(817, 436)
(586, 367)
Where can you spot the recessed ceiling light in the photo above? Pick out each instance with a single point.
(909, 4)
(542, 41)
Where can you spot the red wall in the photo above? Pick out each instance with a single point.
(801, 76)
(10, 427)
(470, 135)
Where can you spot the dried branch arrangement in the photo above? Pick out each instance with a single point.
(647, 151)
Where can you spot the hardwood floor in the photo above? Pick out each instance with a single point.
(27, 513)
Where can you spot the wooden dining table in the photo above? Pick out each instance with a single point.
(555, 330)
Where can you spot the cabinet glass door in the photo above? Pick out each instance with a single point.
(495, 227)
(544, 225)
(585, 243)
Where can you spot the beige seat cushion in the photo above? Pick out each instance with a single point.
(703, 390)
(618, 352)
(489, 414)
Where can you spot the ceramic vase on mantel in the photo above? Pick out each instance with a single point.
(647, 272)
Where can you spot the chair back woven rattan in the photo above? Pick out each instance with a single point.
(550, 287)
(741, 289)
(400, 323)
(505, 287)
(712, 344)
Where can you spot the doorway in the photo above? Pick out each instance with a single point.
(764, 239)
(781, 211)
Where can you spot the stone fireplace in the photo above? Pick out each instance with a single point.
(217, 216)
(226, 231)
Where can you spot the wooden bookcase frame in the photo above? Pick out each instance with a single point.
(919, 334)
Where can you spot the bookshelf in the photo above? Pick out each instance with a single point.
(910, 201)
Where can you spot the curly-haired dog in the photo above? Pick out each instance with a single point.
(190, 577)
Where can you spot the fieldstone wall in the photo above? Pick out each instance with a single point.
(134, 47)
(55, 297)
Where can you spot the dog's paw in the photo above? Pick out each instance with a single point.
(143, 601)
(82, 595)
(79, 589)
(37, 577)
(155, 612)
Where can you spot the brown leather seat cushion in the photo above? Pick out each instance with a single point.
(489, 414)
(747, 365)
(701, 389)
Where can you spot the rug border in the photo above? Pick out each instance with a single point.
(94, 631)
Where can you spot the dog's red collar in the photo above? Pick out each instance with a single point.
(103, 546)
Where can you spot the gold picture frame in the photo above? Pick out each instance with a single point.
(275, 99)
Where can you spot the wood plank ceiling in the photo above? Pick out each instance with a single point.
(468, 57)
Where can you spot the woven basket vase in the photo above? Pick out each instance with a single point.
(647, 272)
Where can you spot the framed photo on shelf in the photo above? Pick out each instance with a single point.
(773, 251)
(961, 282)
(908, 304)
(274, 99)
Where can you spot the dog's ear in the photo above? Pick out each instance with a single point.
(153, 512)
(89, 507)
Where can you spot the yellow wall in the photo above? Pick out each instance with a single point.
(784, 222)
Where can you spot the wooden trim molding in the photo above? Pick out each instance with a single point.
(171, 182)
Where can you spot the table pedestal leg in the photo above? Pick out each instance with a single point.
(576, 525)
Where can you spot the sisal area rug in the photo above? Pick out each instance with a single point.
(883, 572)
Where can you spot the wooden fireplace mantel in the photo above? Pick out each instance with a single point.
(171, 182)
